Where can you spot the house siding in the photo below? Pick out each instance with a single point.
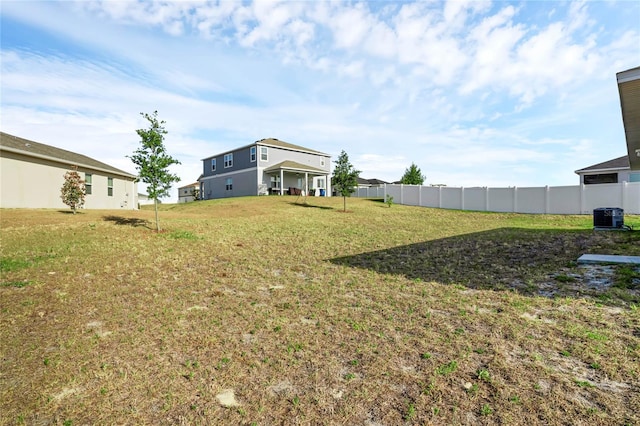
(29, 182)
(241, 161)
(277, 155)
(244, 184)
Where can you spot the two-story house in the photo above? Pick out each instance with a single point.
(267, 166)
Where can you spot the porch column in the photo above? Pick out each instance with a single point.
(306, 184)
(281, 181)
(327, 185)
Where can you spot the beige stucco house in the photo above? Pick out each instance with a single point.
(189, 192)
(32, 174)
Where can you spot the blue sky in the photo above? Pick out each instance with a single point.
(475, 93)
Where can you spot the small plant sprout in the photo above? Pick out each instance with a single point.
(411, 412)
(486, 410)
(389, 200)
(483, 374)
(448, 368)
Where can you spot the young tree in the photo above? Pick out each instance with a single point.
(152, 161)
(73, 190)
(413, 176)
(345, 177)
(195, 193)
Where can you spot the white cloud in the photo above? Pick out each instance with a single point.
(475, 93)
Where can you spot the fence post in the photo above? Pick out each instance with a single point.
(401, 193)
(515, 199)
(486, 198)
(462, 198)
(546, 199)
(420, 195)
(440, 197)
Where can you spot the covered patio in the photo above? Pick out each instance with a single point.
(292, 178)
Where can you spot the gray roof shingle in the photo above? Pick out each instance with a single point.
(35, 149)
(616, 163)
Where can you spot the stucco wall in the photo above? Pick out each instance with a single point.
(35, 183)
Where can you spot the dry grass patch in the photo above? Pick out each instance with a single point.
(262, 311)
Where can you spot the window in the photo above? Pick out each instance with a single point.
(634, 177)
(213, 164)
(110, 187)
(275, 181)
(87, 183)
(229, 185)
(322, 161)
(263, 153)
(320, 183)
(601, 178)
(253, 154)
(228, 160)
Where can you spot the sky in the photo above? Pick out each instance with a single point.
(475, 93)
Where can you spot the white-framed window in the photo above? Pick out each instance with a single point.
(228, 160)
(87, 183)
(213, 164)
(321, 183)
(252, 154)
(110, 186)
(322, 161)
(275, 181)
(229, 184)
(264, 153)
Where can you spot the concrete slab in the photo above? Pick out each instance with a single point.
(608, 258)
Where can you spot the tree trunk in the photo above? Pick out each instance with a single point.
(155, 203)
(344, 199)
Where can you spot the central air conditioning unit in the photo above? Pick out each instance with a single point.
(608, 217)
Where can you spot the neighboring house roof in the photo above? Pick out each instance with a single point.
(194, 184)
(377, 182)
(23, 146)
(629, 90)
(363, 181)
(274, 143)
(292, 165)
(286, 145)
(615, 164)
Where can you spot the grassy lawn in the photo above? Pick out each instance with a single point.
(304, 314)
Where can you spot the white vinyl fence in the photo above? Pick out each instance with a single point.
(370, 192)
(581, 199)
